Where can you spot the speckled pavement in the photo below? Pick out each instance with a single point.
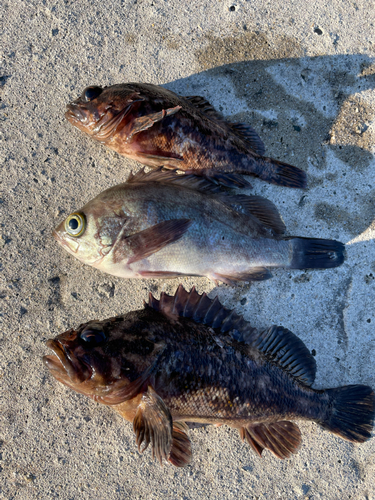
(303, 75)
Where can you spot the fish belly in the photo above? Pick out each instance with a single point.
(217, 255)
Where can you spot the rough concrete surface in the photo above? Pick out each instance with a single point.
(303, 74)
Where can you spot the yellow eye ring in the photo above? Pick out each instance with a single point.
(75, 224)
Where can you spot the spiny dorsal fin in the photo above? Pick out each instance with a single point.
(256, 206)
(162, 176)
(202, 309)
(286, 350)
(278, 344)
(242, 130)
(205, 107)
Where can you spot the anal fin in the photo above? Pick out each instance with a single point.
(153, 424)
(281, 438)
(229, 180)
(163, 274)
(254, 274)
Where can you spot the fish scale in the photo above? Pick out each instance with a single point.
(160, 368)
(162, 224)
(157, 127)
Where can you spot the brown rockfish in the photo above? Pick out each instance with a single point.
(160, 128)
(162, 224)
(186, 358)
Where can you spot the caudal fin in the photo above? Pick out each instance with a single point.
(351, 414)
(280, 173)
(311, 253)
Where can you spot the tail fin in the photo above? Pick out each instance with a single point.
(351, 414)
(280, 173)
(310, 253)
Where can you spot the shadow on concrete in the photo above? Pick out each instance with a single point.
(304, 108)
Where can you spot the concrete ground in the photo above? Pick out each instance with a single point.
(303, 74)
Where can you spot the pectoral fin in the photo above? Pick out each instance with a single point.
(150, 240)
(145, 122)
(281, 438)
(153, 424)
(160, 158)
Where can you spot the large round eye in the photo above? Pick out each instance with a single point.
(93, 337)
(75, 224)
(91, 93)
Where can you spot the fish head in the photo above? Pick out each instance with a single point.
(106, 360)
(101, 112)
(91, 232)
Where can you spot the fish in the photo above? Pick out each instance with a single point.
(157, 127)
(187, 359)
(161, 224)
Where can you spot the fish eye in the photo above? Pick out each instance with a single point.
(91, 93)
(75, 224)
(93, 337)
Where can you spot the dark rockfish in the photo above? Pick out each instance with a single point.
(188, 359)
(158, 127)
(164, 225)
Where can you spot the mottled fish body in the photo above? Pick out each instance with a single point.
(158, 127)
(186, 358)
(162, 224)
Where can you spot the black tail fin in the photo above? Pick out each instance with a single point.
(280, 173)
(310, 253)
(351, 414)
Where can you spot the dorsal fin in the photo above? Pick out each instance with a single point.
(286, 350)
(163, 176)
(248, 134)
(202, 309)
(242, 130)
(280, 346)
(260, 208)
(205, 107)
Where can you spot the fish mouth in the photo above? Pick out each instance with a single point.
(69, 244)
(63, 363)
(74, 113)
(103, 123)
(57, 237)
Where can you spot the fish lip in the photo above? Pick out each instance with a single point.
(76, 370)
(57, 237)
(74, 113)
(64, 243)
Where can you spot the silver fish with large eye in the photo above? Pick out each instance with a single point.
(161, 224)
